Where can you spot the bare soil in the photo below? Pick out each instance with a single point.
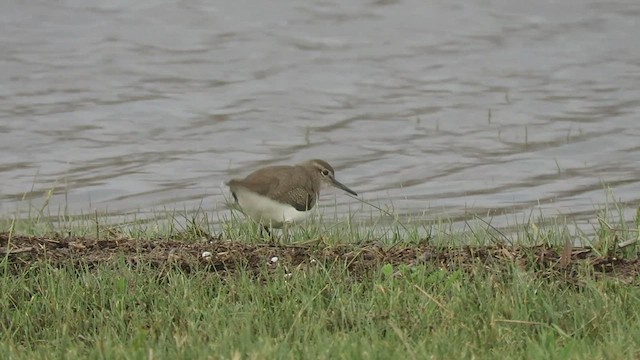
(226, 257)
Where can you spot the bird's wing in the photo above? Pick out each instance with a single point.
(276, 185)
(300, 198)
(251, 183)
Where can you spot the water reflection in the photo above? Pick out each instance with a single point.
(451, 109)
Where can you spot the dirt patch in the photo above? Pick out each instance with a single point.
(226, 257)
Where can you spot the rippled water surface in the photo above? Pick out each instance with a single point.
(441, 108)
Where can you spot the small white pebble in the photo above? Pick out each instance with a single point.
(274, 259)
(206, 254)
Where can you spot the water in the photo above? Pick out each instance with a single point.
(443, 108)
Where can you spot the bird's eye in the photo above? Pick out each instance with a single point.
(325, 172)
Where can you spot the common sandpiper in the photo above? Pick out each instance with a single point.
(275, 196)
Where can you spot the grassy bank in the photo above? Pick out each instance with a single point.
(169, 291)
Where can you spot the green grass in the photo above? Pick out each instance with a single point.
(116, 311)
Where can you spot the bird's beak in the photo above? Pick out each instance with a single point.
(339, 185)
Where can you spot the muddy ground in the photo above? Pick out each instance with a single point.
(226, 257)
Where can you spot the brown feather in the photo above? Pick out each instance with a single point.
(275, 182)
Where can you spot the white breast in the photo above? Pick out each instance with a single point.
(267, 211)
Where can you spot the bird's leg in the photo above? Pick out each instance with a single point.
(285, 232)
(264, 229)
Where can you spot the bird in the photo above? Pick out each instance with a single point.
(275, 196)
